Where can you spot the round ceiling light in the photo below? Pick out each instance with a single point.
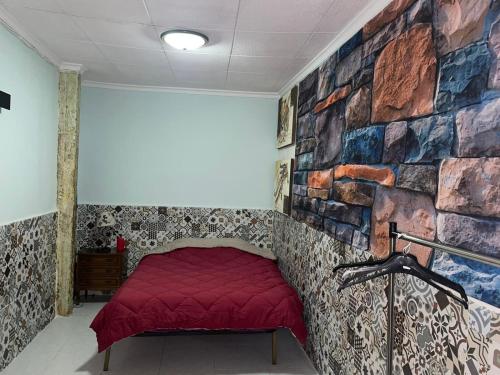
(184, 39)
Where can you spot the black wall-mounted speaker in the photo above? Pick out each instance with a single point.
(4, 100)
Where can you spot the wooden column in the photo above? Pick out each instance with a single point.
(67, 172)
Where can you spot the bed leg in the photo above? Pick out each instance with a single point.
(106, 359)
(274, 348)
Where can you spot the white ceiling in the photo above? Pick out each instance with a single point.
(255, 45)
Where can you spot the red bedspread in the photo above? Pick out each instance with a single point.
(207, 289)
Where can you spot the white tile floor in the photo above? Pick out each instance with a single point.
(67, 346)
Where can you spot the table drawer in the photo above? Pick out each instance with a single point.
(99, 261)
(99, 272)
(99, 284)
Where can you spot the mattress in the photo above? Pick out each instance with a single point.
(219, 288)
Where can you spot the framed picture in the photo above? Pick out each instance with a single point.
(287, 119)
(283, 186)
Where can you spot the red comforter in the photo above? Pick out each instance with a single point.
(200, 289)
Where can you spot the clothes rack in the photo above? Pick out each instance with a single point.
(395, 235)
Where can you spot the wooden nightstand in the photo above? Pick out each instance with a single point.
(98, 271)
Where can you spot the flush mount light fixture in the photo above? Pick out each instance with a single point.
(184, 39)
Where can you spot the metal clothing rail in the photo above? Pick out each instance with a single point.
(395, 235)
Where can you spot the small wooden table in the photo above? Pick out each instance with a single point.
(98, 270)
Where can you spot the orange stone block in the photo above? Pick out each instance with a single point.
(383, 176)
(320, 179)
(405, 77)
(318, 193)
(334, 97)
(389, 14)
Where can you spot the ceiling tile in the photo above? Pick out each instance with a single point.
(251, 82)
(158, 76)
(201, 77)
(134, 56)
(48, 25)
(315, 44)
(76, 51)
(101, 72)
(220, 42)
(262, 65)
(268, 44)
(201, 62)
(121, 10)
(198, 14)
(50, 5)
(340, 15)
(120, 34)
(281, 15)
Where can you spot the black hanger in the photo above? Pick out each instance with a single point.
(401, 263)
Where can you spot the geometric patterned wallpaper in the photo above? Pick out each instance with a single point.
(347, 330)
(146, 227)
(27, 282)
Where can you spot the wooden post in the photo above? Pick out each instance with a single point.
(67, 171)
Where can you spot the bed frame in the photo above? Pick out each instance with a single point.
(274, 340)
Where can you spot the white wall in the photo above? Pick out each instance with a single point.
(28, 132)
(176, 149)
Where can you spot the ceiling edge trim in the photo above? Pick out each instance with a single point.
(180, 90)
(13, 25)
(368, 12)
(71, 67)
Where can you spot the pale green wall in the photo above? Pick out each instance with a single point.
(176, 149)
(28, 132)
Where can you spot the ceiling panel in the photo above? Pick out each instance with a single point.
(281, 15)
(262, 65)
(48, 25)
(137, 75)
(198, 14)
(255, 45)
(77, 51)
(315, 44)
(120, 10)
(341, 14)
(134, 56)
(251, 82)
(120, 34)
(268, 44)
(50, 5)
(200, 62)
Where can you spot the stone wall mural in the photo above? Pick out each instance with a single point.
(27, 282)
(147, 227)
(348, 329)
(402, 124)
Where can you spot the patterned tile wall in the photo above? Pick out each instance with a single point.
(27, 282)
(347, 330)
(145, 228)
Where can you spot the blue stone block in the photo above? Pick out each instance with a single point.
(350, 45)
(305, 161)
(366, 219)
(300, 178)
(363, 146)
(429, 139)
(463, 77)
(307, 92)
(479, 280)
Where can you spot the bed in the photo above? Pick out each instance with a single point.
(200, 289)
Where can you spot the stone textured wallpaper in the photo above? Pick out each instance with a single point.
(348, 330)
(145, 227)
(27, 282)
(402, 124)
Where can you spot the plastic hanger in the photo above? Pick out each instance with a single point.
(400, 263)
